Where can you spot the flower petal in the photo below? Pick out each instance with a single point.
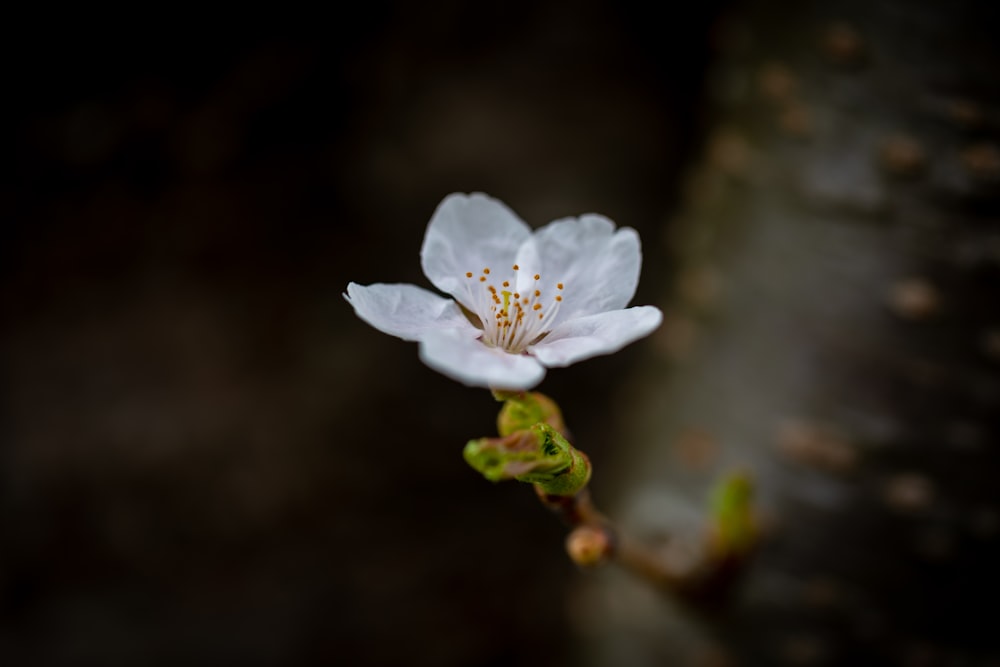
(594, 335)
(598, 265)
(468, 233)
(406, 311)
(529, 261)
(472, 362)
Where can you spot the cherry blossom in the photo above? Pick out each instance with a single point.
(523, 300)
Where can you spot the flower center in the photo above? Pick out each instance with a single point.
(514, 311)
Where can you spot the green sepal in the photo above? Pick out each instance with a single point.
(538, 455)
(522, 410)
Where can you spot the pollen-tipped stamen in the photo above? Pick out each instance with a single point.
(512, 320)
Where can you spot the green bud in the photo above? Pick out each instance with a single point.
(734, 528)
(522, 410)
(538, 455)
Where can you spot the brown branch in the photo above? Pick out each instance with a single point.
(595, 540)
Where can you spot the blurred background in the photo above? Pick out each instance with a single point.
(208, 459)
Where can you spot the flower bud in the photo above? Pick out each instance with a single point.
(589, 545)
(522, 410)
(538, 455)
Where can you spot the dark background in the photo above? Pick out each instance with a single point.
(206, 458)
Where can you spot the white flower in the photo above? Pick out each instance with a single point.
(524, 301)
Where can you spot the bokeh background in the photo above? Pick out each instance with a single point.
(208, 459)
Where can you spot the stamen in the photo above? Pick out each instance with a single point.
(502, 311)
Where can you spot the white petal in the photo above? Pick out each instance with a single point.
(529, 261)
(594, 335)
(598, 266)
(468, 233)
(472, 362)
(406, 311)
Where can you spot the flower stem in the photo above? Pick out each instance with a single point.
(534, 447)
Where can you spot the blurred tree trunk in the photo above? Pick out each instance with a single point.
(833, 327)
